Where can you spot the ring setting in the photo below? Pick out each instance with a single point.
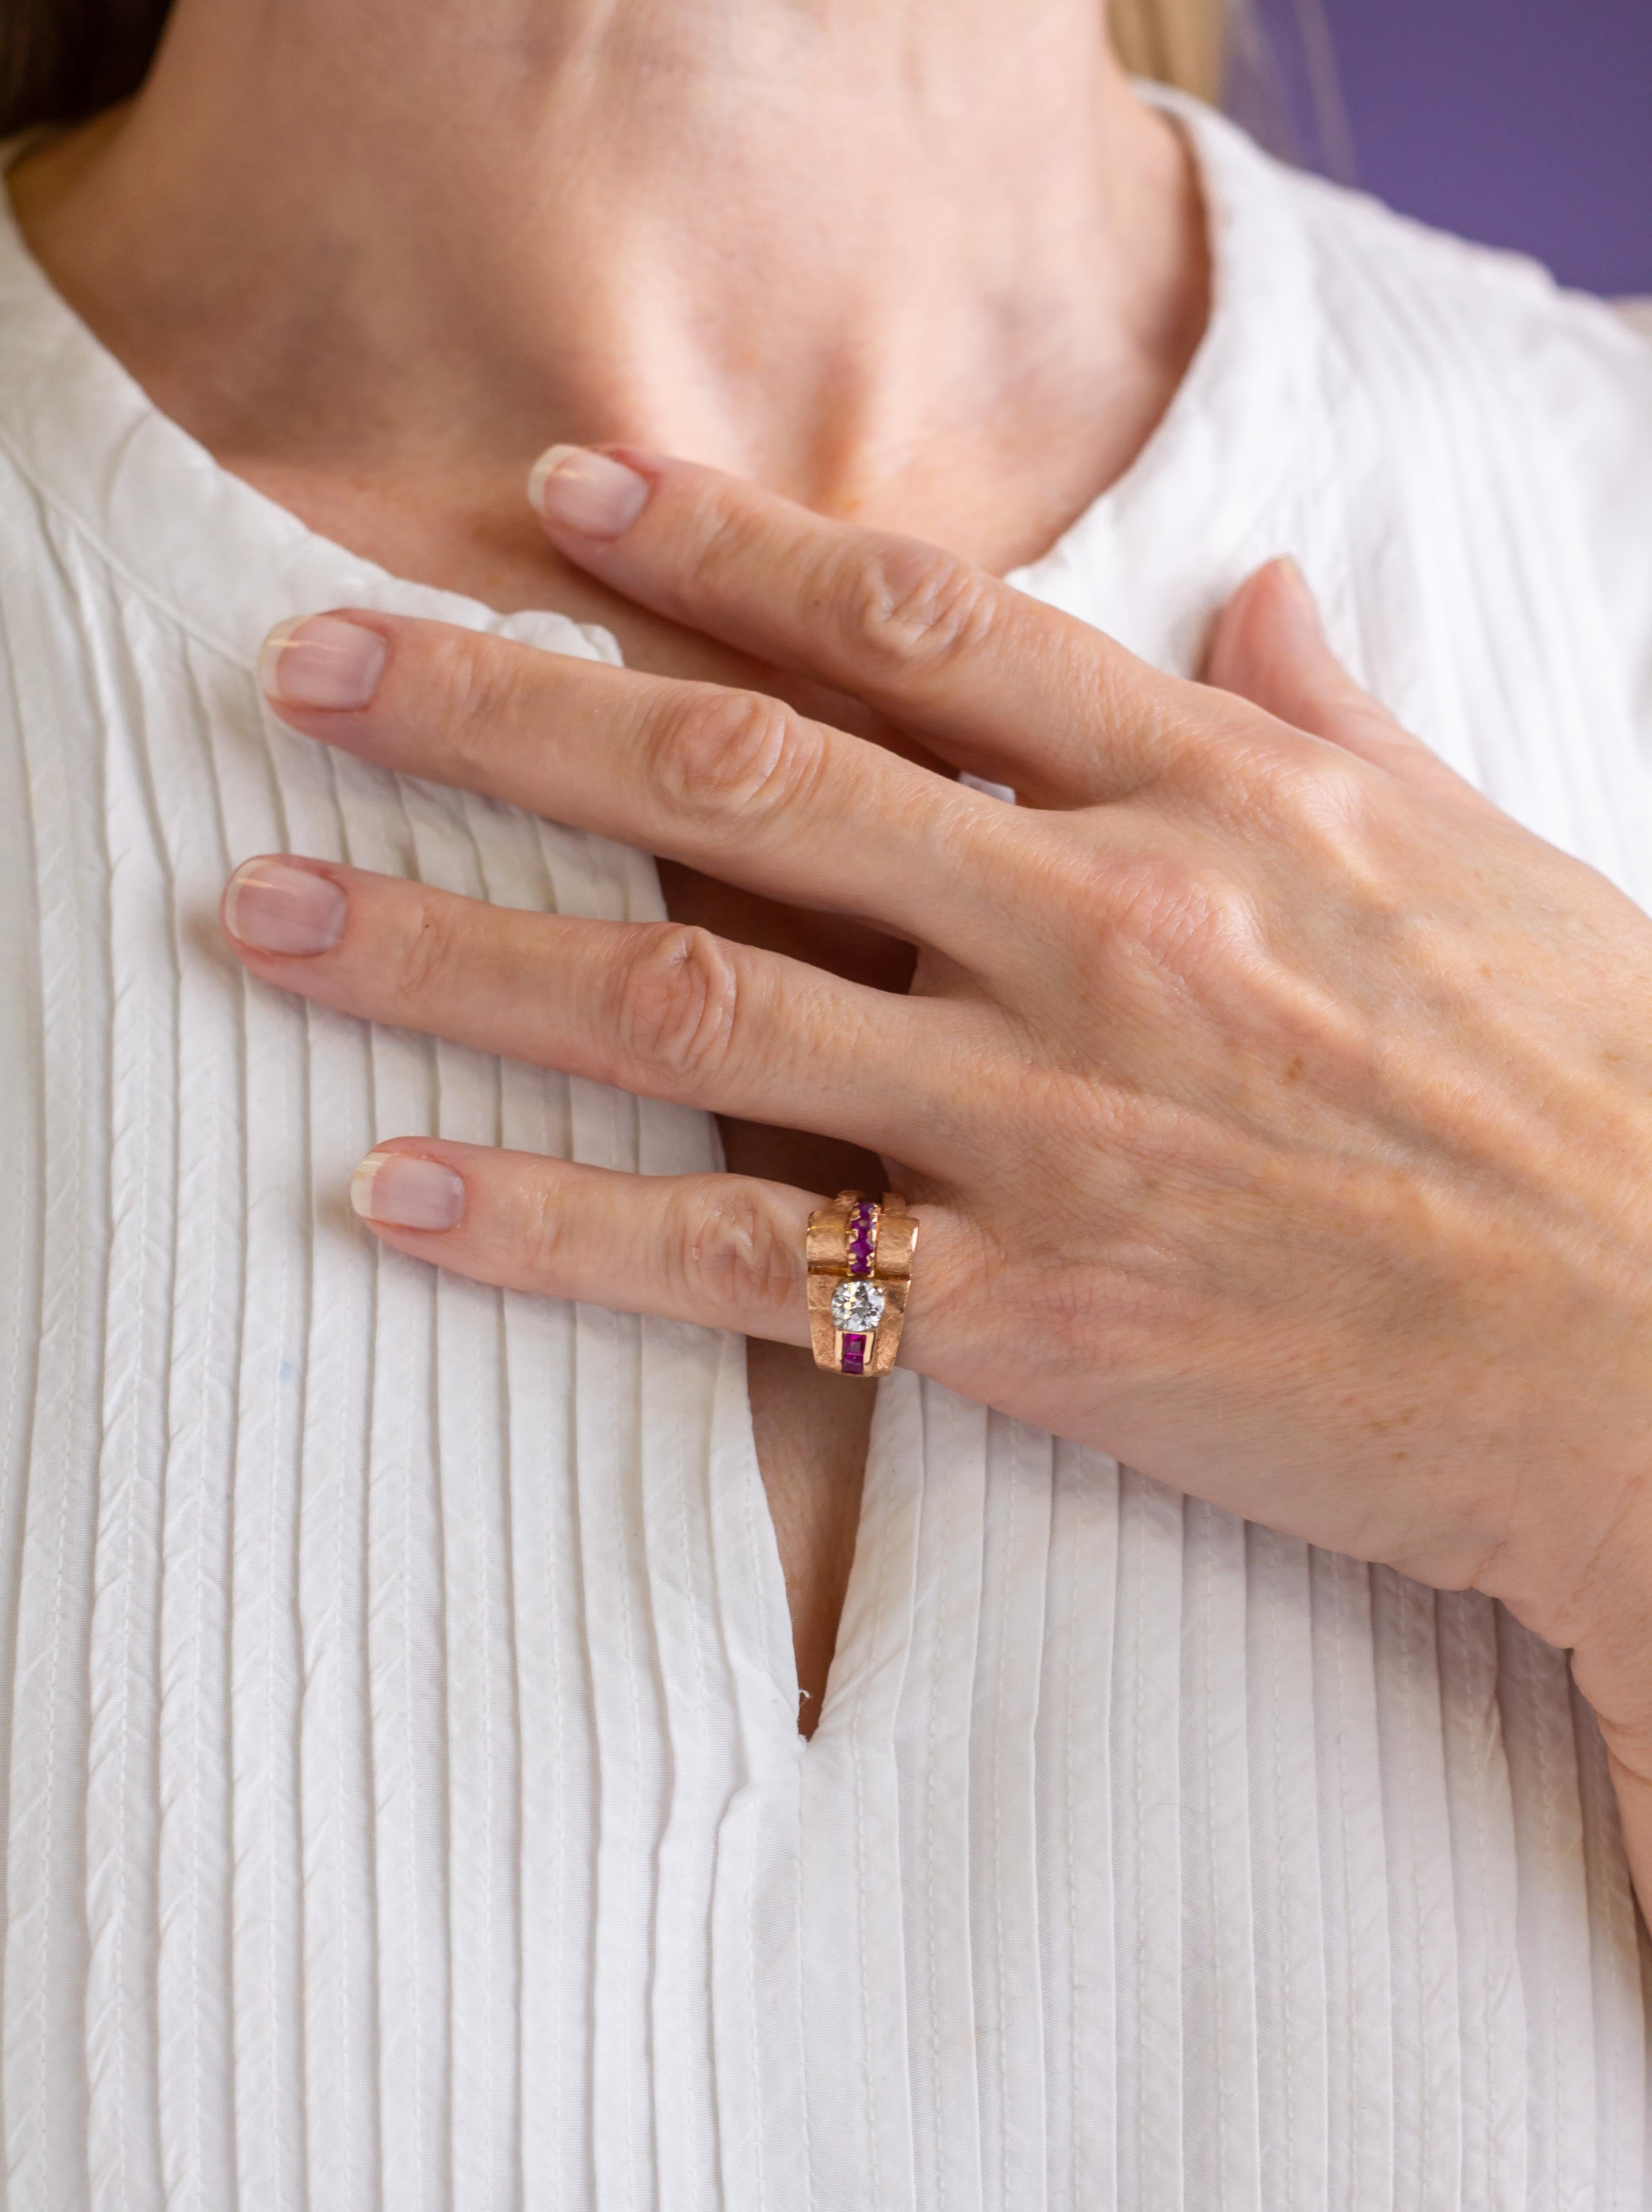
(860, 1268)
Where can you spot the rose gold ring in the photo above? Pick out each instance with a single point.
(860, 1271)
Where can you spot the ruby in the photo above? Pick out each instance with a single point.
(855, 1355)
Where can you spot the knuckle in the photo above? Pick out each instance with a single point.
(540, 1230)
(1174, 916)
(432, 949)
(1338, 795)
(912, 604)
(721, 536)
(726, 752)
(676, 992)
(729, 1252)
(1271, 784)
(1328, 806)
(1321, 785)
(474, 682)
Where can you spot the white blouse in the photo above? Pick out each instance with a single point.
(403, 1804)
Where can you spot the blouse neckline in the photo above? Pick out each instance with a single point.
(227, 563)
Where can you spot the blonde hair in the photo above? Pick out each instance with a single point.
(1180, 42)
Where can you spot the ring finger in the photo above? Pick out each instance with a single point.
(671, 1012)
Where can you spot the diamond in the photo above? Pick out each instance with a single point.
(857, 1306)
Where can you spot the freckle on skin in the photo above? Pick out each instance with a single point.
(1294, 1070)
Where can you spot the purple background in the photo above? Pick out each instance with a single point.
(1525, 123)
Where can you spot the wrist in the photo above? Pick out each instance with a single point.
(1571, 1558)
(1599, 1607)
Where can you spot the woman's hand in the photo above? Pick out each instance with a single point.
(1278, 1114)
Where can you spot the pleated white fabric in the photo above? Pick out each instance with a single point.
(403, 1801)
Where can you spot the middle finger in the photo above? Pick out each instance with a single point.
(732, 782)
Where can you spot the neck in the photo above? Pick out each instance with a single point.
(928, 261)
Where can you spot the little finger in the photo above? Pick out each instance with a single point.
(721, 1251)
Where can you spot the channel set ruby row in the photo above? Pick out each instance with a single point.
(862, 1249)
(859, 1269)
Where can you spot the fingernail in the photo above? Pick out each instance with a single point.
(321, 660)
(1299, 590)
(278, 907)
(586, 492)
(405, 1191)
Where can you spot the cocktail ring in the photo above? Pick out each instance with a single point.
(860, 1271)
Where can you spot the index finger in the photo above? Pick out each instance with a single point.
(995, 681)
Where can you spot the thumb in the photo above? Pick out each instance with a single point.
(1269, 648)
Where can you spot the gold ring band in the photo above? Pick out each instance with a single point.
(860, 1271)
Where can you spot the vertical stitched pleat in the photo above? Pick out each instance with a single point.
(1146, 1817)
(473, 1485)
(128, 2042)
(708, 1763)
(266, 1964)
(765, 2152)
(940, 1792)
(1422, 1921)
(854, 1910)
(677, 1534)
(1620, 2037)
(195, 1996)
(344, 1408)
(1078, 1922)
(542, 1618)
(1285, 1868)
(1491, 2005)
(22, 1310)
(50, 2032)
(1535, 1692)
(1219, 1941)
(1009, 2006)
(1361, 2022)
(547, 1607)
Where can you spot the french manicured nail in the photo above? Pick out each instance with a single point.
(277, 907)
(405, 1191)
(586, 492)
(321, 660)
